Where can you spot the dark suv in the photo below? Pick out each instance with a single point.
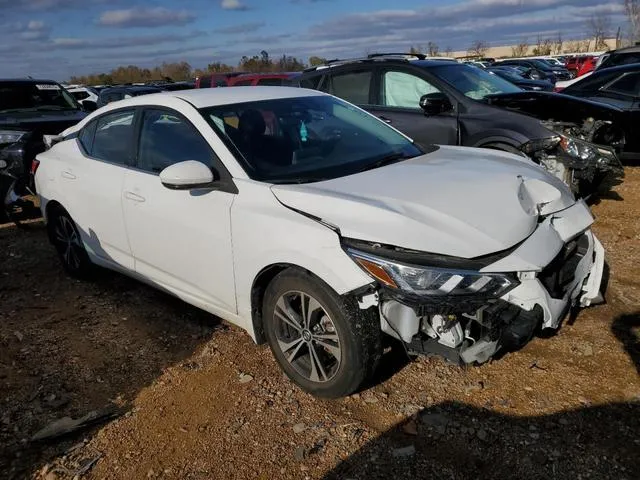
(30, 109)
(543, 69)
(622, 56)
(443, 102)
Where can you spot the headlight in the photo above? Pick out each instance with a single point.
(10, 136)
(541, 144)
(432, 281)
(582, 151)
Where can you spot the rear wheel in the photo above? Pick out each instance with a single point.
(323, 342)
(66, 239)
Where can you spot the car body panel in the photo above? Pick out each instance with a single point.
(414, 206)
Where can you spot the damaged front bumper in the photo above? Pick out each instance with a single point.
(558, 267)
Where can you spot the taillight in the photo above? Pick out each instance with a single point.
(34, 166)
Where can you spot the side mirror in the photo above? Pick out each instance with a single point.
(90, 105)
(435, 103)
(187, 175)
(3, 164)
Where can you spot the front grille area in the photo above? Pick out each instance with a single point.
(559, 274)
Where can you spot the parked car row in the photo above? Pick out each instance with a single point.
(394, 227)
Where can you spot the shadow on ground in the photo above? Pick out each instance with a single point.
(457, 441)
(70, 347)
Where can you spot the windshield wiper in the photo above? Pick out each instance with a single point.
(386, 160)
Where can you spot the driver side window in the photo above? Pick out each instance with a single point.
(167, 138)
(401, 89)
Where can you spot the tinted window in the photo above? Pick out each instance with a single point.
(80, 95)
(86, 136)
(622, 59)
(400, 89)
(205, 82)
(167, 138)
(114, 137)
(272, 82)
(306, 139)
(17, 96)
(627, 85)
(354, 87)
(311, 82)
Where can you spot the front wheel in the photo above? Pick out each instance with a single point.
(65, 237)
(323, 342)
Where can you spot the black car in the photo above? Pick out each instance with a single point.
(30, 109)
(542, 69)
(119, 92)
(619, 87)
(437, 102)
(622, 56)
(519, 80)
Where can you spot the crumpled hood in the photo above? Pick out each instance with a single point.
(456, 201)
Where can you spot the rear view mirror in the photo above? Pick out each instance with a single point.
(187, 175)
(435, 103)
(90, 105)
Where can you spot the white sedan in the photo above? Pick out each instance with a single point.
(317, 227)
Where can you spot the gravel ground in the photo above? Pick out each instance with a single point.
(201, 401)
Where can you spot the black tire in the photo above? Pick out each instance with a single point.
(357, 331)
(65, 237)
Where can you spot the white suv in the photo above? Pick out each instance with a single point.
(317, 227)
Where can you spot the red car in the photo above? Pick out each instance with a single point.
(216, 80)
(589, 65)
(264, 79)
(574, 64)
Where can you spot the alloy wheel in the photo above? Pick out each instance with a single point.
(307, 336)
(68, 242)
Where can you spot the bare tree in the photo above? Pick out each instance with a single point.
(557, 44)
(478, 48)
(433, 49)
(599, 27)
(448, 51)
(632, 8)
(521, 49)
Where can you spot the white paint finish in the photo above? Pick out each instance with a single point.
(265, 233)
(531, 292)
(181, 239)
(434, 203)
(184, 174)
(207, 247)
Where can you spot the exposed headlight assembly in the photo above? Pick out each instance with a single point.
(432, 281)
(581, 153)
(10, 136)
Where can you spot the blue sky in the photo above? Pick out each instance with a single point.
(60, 38)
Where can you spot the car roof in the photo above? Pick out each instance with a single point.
(268, 75)
(26, 80)
(631, 49)
(619, 68)
(212, 97)
(395, 58)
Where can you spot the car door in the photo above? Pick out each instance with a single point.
(397, 102)
(92, 185)
(180, 239)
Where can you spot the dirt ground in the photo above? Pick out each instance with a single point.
(201, 401)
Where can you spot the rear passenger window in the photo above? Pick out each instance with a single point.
(311, 82)
(113, 138)
(86, 136)
(353, 87)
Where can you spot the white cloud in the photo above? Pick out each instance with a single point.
(233, 5)
(144, 17)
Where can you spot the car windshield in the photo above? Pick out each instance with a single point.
(306, 139)
(508, 74)
(541, 65)
(27, 96)
(474, 83)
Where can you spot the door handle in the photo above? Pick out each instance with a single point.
(68, 174)
(385, 119)
(134, 196)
